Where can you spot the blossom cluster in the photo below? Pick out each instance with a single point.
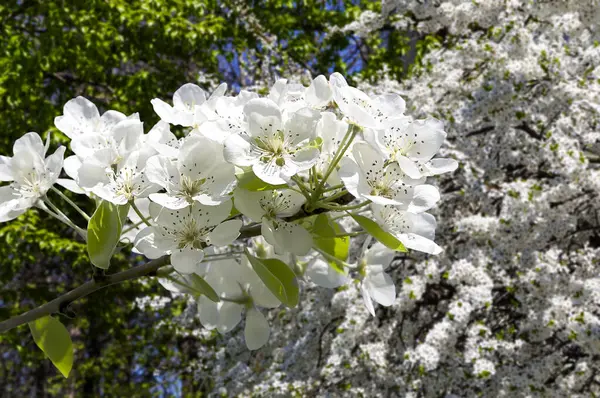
(281, 168)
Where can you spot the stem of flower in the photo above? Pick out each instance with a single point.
(139, 213)
(60, 216)
(333, 188)
(302, 187)
(70, 202)
(341, 208)
(346, 142)
(134, 226)
(335, 196)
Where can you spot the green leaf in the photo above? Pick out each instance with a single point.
(250, 182)
(104, 232)
(324, 237)
(322, 226)
(200, 285)
(375, 230)
(53, 339)
(278, 278)
(192, 284)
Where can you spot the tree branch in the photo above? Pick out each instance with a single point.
(87, 288)
(61, 302)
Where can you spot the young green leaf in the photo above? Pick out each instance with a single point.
(190, 284)
(278, 278)
(375, 230)
(104, 232)
(250, 182)
(324, 238)
(53, 339)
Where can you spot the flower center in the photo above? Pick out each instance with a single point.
(190, 188)
(191, 235)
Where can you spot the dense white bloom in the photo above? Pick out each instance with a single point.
(190, 105)
(269, 208)
(291, 97)
(376, 284)
(371, 176)
(184, 233)
(276, 144)
(415, 231)
(31, 174)
(198, 174)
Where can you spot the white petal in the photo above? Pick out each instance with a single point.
(71, 166)
(367, 298)
(162, 171)
(322, 274)
(186, 260)
(54, 163)
(379, 255)
(301, 125)
(128, 133)
(219, 185)
(353, 179)
(230, 314)
(90, 175)
(419, 243)
(441, 165)
(79, 116)
(332, 131)
(276, 92)
(271, 173)
(381, 288)
(209, 216)
(291, 237)
(248, 203)
(302, 160)
(225, 233)
(70, 185)
(318, 94)
(170, 202)
(263, 107)
(208, 313)
(145, 243)
(165, 111)
(10, 207)
(428, 136)
(409, 167)
(197, 156)
(188, 96)
(5, 169)
(257, 329)
(424, 198)
(30, 142)
(239, 151)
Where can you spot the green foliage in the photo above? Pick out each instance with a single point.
(375, 231)
(278, 278)
(250, 182)
(53, 339)
(324, 238)
(104, 231)
(195, 285)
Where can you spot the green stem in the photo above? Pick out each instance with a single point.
(139, 213)
(333, 188)
(341, 208)
(302, 187)
(335, 196)
(70, 202)
(59, 215)
(134, 226)
(346, 142)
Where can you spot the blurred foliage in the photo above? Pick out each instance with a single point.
(120, 54)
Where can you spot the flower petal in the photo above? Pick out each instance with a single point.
(79, 116)
(208, 313)
(248, 203)
(367, 298)
(225, 233)
(379, 255)
(239, 151)
(257, 329)
(186, 260)
(230, 314)
(381, 288)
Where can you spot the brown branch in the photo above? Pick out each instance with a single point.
(61, 302)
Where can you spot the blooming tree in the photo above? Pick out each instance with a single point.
(259, 197)
(510, 308)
